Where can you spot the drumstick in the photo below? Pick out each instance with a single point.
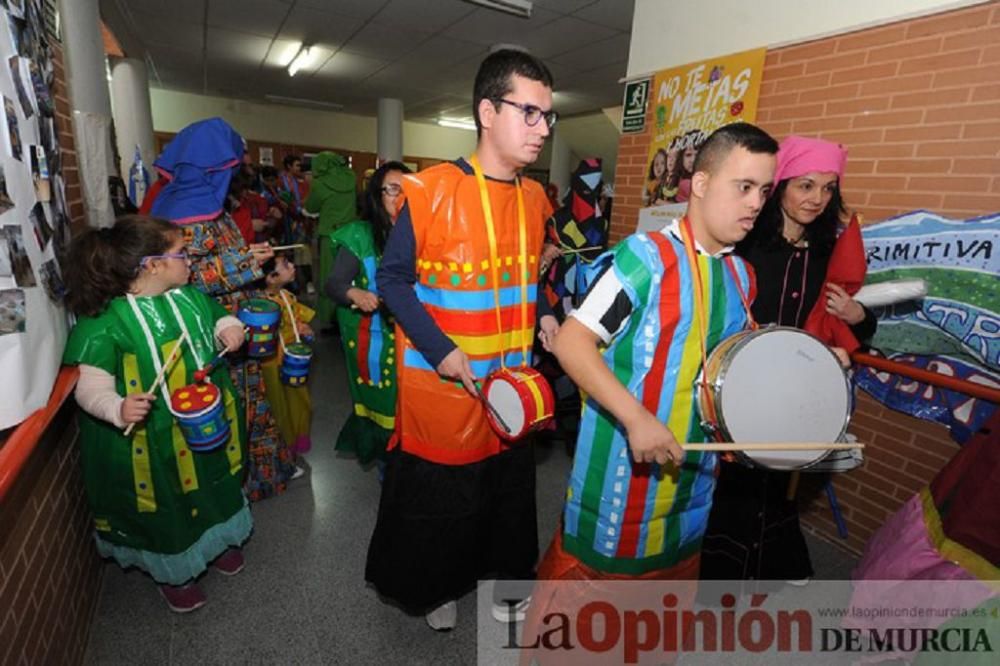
(492, 409)
(774, 446)
(160, 375)
(287, 247)
(582, 249)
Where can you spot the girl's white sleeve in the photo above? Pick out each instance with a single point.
(221, 325)
(96, 394)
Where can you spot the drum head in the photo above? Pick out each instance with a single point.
(783, 385)
(505, 399)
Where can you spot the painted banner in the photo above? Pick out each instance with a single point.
(954, 330)
(689, 103)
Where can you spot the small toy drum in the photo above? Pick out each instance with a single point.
(199, 411)
(522, 398)
(263, 318)
(295, 364)
(776, 384)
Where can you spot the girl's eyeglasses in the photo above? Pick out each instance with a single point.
(393, 189)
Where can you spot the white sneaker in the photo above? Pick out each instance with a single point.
(802, 582)
(444, 617)
(506, 613)
(298, 472)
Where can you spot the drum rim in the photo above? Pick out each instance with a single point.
(721, 426)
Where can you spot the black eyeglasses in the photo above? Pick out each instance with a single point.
(532, 114)
(393, 189)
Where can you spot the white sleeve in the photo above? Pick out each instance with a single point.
(606, 307)
(223, 324)
(96, 395)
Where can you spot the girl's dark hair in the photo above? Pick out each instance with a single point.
(652, 163)
(374, 212)
(821, 233)
(103, 263)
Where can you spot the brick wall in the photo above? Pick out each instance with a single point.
(916, 104)
(50, 573)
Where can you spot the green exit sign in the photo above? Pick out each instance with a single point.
(634, 105)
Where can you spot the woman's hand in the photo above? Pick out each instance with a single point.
(364, 300)
(840, 304)
(136, 407)
(304, 329)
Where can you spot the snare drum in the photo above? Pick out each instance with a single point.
(775, 384)
(523, 399)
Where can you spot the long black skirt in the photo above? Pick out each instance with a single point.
(753, 530)
(441, 528)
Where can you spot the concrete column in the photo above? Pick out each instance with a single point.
(90, 100)
(390, 129)
(133, 113)
(83, 51)
(560, 167)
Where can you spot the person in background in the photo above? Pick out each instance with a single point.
(332, 196)
(201, 160)
(366, 328)
(754, 528)
(292, 405)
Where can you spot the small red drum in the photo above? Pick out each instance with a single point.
(201, 416)
(523, 400)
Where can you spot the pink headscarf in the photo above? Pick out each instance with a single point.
(800, 155)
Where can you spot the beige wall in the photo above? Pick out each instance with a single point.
(286, 124)
(665, 34)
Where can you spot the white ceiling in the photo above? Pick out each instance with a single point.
(424, 52)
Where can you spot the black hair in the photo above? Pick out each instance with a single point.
(290, 160)
(721, 142)
(493, 80)
(821, 233)
(268, 172)
(373, 211)
(103, 263)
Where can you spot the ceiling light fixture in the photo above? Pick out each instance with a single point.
(454, 123)
(520, 8)
(303, 59)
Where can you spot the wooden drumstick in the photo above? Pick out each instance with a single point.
(159, 377)
(287, 247)
(774, 446)
(492, 409)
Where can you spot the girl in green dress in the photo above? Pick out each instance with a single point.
(156, 505)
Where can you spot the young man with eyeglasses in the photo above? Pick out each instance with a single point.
(458, 504)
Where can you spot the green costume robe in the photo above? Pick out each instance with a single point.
(369, 348)
(332, 194)
(157, 505)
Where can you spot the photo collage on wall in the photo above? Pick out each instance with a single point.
(34, 218)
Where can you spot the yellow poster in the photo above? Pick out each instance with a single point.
(689, 103)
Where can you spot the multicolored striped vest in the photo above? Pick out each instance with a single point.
(628, 518)
(437, 419)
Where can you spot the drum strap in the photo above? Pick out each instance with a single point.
(522, 269)
(151, 343)
(291, 318)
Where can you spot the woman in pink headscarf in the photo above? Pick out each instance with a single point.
(753, 530)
